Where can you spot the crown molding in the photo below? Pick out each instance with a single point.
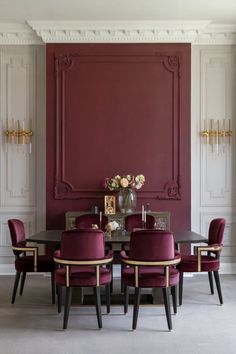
(16, 33)
(194, 32)
(117, 31)
(217, 34)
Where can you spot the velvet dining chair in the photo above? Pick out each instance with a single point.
(82, 263)
(150, 264)
(85, 221)
(25, 263)
(134, 221)
(210, 262)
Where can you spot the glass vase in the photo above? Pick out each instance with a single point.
(127, 200)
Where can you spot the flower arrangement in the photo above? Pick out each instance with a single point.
(125, 181)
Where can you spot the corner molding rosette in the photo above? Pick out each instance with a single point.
(195, 32)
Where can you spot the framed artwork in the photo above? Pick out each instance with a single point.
(110, 204)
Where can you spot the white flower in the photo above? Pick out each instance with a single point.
(140, 179)
(124, 182)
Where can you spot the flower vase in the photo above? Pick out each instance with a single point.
(127, 200)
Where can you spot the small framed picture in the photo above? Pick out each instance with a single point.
(110, 204)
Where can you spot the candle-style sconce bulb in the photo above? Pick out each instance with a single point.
(217, 133)
(17, 133)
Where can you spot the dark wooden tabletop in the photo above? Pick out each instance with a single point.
(54, 236)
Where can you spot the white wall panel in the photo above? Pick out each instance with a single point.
(217, 162)
(22, 174)
(18, 87)
(213, 169)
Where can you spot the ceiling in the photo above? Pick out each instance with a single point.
(216, 11)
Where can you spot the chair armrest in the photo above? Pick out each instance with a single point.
(28, 249)
(165, 263)
(96, 263)
(210, 248)
(136, 264)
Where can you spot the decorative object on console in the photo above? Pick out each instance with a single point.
(125, 184)
(110, 204)
(112, 226)
(17, 134)
(217, 133)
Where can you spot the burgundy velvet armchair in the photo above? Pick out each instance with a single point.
(82, 262)
(210, 262)
(24, 262)
(150, 264)
(134, 221)
(86, 221)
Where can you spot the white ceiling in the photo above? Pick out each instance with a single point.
(216, 11)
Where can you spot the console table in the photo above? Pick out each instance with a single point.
(162, 218)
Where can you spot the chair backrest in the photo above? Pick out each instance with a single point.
(82, 244)
(151, 245)
(134, 221)
(216, 231)
(17, 232)
(85, 221)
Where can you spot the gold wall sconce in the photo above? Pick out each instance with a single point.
(18, 134)
(217, 133)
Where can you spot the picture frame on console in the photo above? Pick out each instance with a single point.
(109, 204)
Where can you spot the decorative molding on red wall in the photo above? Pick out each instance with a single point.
(118, 109)
(64, 188)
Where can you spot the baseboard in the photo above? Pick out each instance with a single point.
(228, 268)
(7, 269)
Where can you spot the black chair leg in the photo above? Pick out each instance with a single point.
(67, 306)
(174, 300)
(17, 278)
(126, 298)
(181, 278)
(53, 287)
(211, 282)
(22, 283)
(59, 291)
(97, 295)
(108, 298)
(167, 306)
(218, 287)
(137, 296)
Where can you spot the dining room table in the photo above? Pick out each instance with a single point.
(53, 237)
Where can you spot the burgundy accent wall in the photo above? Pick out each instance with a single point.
(118, 109)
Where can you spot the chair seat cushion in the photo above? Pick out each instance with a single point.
(26, 264)
(189, 264)
(83, 276)
(150, 277)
